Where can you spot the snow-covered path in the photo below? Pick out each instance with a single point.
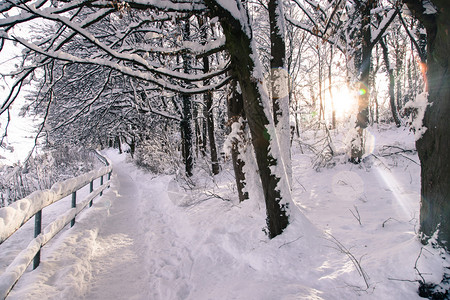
(136, 242)
(119, 269)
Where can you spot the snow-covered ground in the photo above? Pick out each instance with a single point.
(147, 238)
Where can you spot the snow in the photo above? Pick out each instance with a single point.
(419, 105)
(383, 24)
(430, 9)
(233, 137)
(238, 12)
(140, 241)
(15, 215)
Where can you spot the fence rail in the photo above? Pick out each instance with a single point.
(18, 213)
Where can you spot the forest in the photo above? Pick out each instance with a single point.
(189, 85)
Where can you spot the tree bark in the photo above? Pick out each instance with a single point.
(118, 144)
(433, 147)
(391, 83)
(186, 122)
(280, 82)
(209, 116)
(333, 110)
(236, 111)
(242, 52)
(208, 112)
(362, 118)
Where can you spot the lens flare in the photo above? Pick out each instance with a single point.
(402, 197)
(362, 89)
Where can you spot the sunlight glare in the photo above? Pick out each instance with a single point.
(402, 198)
(344, 101)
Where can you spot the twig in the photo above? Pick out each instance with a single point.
(357, 216)
(406, 280)
(287, 243)
(417, 260)
(409, 159)
(298, 181)
(356, 262)
(384, 223)
(214, 195)
(401, 150)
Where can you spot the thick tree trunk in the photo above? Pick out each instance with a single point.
(264, 139)
(433, 147)
(280, 82)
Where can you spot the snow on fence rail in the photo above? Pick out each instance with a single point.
(18, 213)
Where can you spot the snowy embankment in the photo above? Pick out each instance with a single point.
(149, 239)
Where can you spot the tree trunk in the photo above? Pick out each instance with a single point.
(242, 51)
(280, 82)
(391, 84)
(236, 111)
(199, 137)
(333, 110)
(209, 116)
(187, 135)
(208, 112)
(362, 118)
(118, 144)
(433, 147)
(186, 122)
(132, 145)
(321, 104)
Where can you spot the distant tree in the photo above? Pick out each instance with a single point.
(354, 28)
(390, 72)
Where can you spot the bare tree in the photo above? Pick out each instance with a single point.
(118, 49)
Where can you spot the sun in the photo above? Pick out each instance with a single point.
(343, 100)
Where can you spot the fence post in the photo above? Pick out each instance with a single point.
(101, 183)
(37, 231)
(91, 188)
(74, 204)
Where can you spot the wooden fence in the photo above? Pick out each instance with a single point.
(17, 214)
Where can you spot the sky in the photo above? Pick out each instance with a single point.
(21, 129)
